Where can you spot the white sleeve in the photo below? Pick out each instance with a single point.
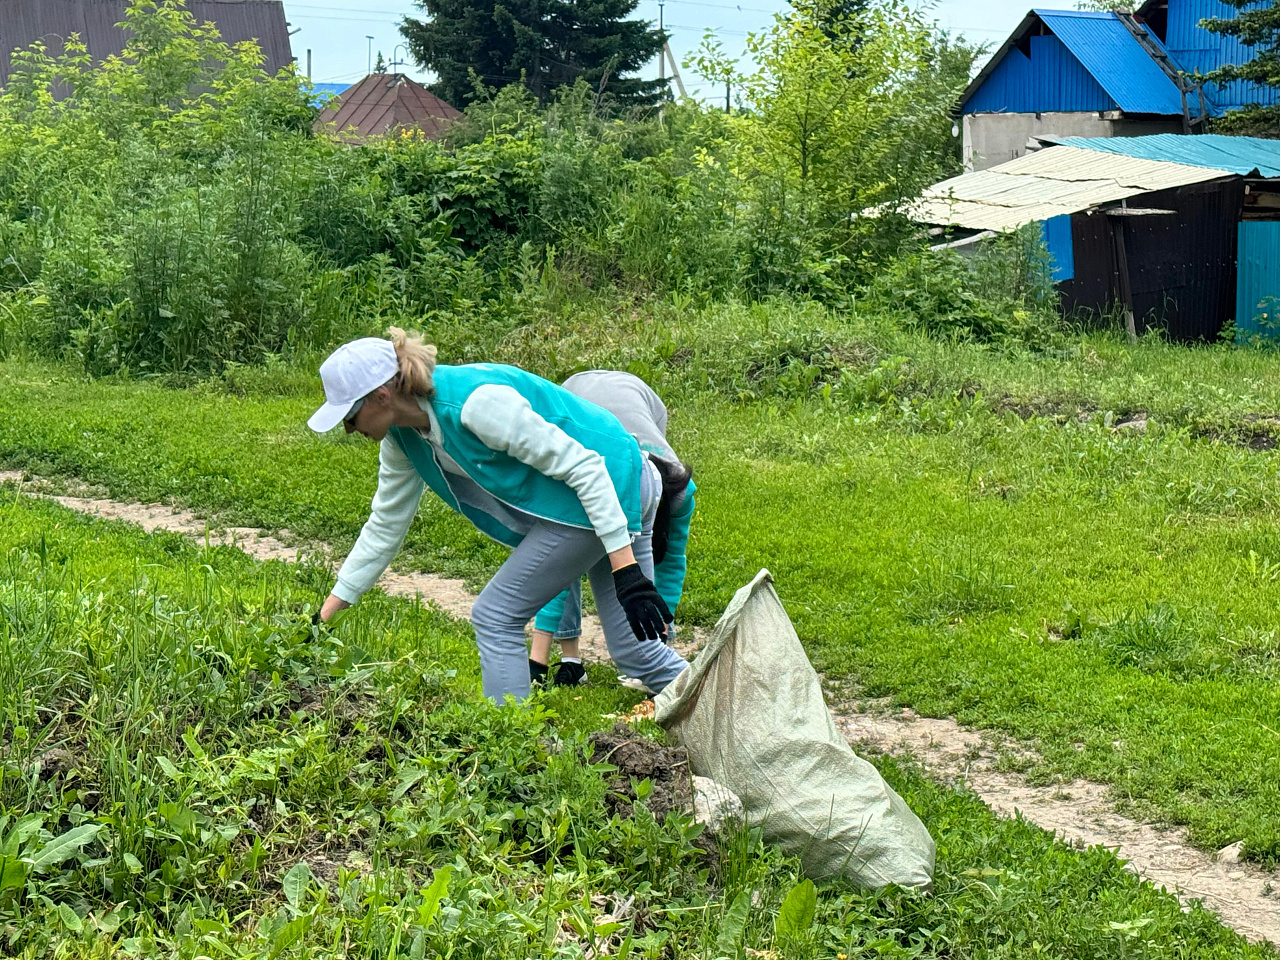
(394, 506)
(505, 421)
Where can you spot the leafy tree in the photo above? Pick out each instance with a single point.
(1257, 27)
(546, 44)
(1106, 5)
(840, 115)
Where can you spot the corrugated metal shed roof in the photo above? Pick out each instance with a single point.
(1239, 155)
(1048, 183)
(22, 22)
(1099, 42)
(381, 103)
(1106, 48)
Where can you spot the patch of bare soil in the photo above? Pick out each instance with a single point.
(156, 516)
(1079, 811)
(451, 596)
(1048, 408)
(640, 758)
(1256, 431)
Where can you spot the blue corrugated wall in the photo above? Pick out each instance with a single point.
(1049, 81)
(1057, 240)
(1198, 51)
(1258, 279)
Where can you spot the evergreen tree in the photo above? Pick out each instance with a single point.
(546, 43)
(1257, 27)
(380, 66)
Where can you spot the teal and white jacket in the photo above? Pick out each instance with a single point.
(505, 448)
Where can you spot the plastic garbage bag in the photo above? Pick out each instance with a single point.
(750, 713)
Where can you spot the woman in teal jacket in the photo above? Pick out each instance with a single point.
(643, 414)
(555, 478)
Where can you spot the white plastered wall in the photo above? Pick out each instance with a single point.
(994, 138)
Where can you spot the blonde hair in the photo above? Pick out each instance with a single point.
(417, 364)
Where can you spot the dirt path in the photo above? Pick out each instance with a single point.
(1079, 811)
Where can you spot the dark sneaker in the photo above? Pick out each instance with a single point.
(537, 674)
(569, 675)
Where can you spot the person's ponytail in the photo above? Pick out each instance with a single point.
(417, 364)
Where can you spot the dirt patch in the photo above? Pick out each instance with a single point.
(639, 758)
(1080, 812)
(1048, 408)
(152, 517)
(451, 596)
(55, 762)
(1256, 431)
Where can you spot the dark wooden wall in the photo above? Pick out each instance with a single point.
(1182, 267)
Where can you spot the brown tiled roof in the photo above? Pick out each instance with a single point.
(22, 22)
(385, 102)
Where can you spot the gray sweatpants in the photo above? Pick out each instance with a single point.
(551, 557)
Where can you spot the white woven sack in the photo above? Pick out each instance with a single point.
(750, 712)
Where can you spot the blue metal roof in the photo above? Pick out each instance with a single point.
(1104, 68)
(1239, 155)
(322, 93)
(330, 89)
(1105, 47)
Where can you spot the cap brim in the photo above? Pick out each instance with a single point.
(329, 416)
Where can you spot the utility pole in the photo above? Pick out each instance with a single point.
(726, 95)
(662, 57)
(308, 63)
(370, 67)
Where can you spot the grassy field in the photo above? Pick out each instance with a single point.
(1059, 537)
(192, 770)
(1106, 594)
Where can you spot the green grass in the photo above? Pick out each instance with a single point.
(177, 739)
(1105, 595)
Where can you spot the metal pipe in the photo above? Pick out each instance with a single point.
(395, 57)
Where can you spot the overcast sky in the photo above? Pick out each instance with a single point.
(337, 32)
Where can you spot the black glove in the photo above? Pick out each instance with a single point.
(646, 610)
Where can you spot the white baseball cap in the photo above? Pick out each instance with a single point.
(354, 370)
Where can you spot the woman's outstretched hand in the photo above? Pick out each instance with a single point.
(332, 605)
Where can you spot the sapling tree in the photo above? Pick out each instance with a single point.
(842, 112)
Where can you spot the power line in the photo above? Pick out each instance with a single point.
(719, 6)
(732, 33)
(316, 6)
(319, 16)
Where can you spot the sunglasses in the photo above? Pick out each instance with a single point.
(355, 409)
